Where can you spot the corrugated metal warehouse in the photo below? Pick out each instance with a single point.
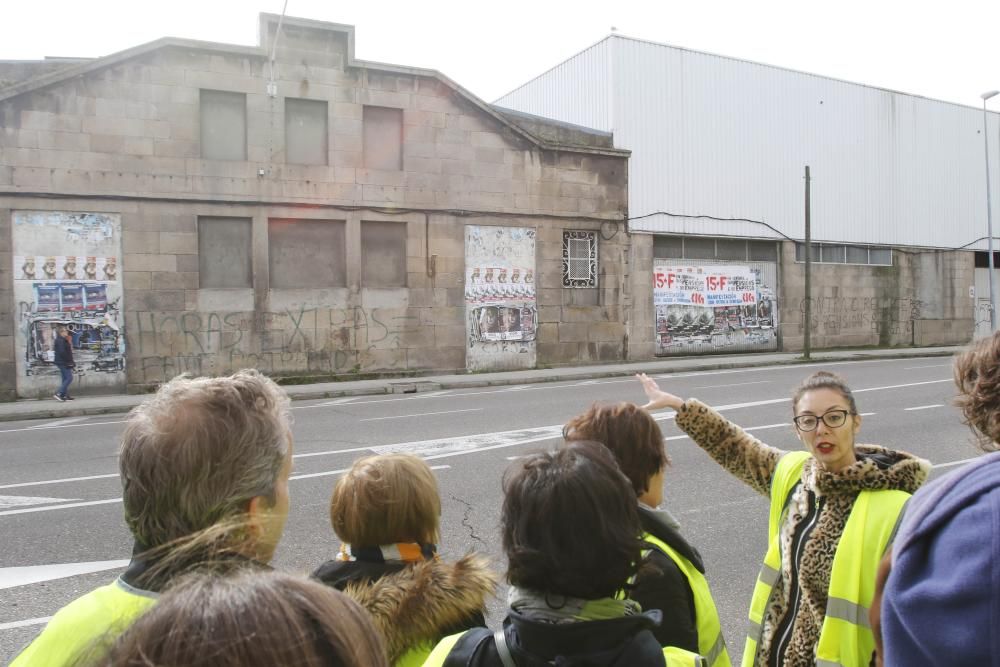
(716, 178)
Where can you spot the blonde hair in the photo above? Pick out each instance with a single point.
(386, 499)
(197, 452)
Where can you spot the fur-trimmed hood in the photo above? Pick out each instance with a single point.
(426, 601)
(877, 469)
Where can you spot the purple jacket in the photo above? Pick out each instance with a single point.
(942, 599)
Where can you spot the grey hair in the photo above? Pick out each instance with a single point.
(197, 452)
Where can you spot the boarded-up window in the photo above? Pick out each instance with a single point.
(383, 254)
(223, 125)
(225, 251)
(305, 131)
(383, 141)
(306, 253)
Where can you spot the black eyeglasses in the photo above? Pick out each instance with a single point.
(832, 418)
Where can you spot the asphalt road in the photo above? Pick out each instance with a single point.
(59, 491)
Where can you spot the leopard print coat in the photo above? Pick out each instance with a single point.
(754, 463)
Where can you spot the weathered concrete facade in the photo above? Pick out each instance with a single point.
(922, 299)
(126, 135)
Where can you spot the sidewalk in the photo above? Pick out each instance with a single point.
(119, 403)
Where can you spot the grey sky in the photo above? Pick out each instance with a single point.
(949, 51)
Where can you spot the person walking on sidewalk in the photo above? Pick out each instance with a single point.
(64, 362)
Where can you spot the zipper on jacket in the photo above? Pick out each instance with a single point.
(784, 630)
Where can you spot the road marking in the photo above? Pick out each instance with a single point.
(337, 401)
(911, 368)
(420, 414)
(58, 481)
(46, 426)
(339, 472)
(482, 442)
(866, 414)
(25, 501)
(66, 506)
(517, 387)
(954, 463)
(61, 422)
(925, 407)
(34, 574)
(25, 623)
(735, 384)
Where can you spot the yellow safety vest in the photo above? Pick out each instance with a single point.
(672, 656)
(710, 641)
(83, 628)
(846, 638)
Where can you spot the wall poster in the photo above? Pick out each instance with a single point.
(501, 316)
(66, 273)
(714, 308)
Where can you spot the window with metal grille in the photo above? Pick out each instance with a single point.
(579, 259)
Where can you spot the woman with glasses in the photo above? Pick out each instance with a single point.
(834, 510)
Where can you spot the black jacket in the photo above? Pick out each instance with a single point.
(620, 642)
(63, 352)
(661, 585)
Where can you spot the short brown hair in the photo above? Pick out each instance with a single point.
(977, 376)
(197, 452)
(247, 620)
(824, 380)
(570, 525)
(632, 435)
(386, 499)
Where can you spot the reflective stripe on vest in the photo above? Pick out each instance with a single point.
(710, 641)
(678, 657)
(846, 638)
(441, 651)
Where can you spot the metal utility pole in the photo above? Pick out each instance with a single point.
(807, 314)
(989, 216)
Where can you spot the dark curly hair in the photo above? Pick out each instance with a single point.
(632, 435)
(977, 376)
(570, 523)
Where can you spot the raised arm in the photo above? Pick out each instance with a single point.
(743, 455)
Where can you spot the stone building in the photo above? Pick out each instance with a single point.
(187, 206)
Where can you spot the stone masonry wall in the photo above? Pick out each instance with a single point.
(922, 299)
(125, 140)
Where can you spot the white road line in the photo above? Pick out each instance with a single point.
(514, 438)
(924, 407)
(339, 472)
(337, 401)
(25, 501)
(11, 577)
(735, 384)
(29, 510)
(866, 414)
(420, 414)
(58, 481)
(61, 422)
(911, 368)
(42, 428)
(767, 426)
(954, 463)
(25, 623)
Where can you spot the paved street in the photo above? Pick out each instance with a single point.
(59, 490)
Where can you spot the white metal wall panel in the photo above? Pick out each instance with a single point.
(576, 91)
(715, 136)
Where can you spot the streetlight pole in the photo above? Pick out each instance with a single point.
(989, 213)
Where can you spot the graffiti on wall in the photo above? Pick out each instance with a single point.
(300, 339)
(706, 308)
(881, 317)
(500, 306)
(66, 274)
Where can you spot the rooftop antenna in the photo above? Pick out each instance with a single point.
(272, 85)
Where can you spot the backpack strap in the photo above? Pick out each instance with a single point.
(500, 639)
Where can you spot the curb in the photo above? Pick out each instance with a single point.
(408, 386)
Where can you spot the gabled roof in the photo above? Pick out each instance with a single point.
(260, 51)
